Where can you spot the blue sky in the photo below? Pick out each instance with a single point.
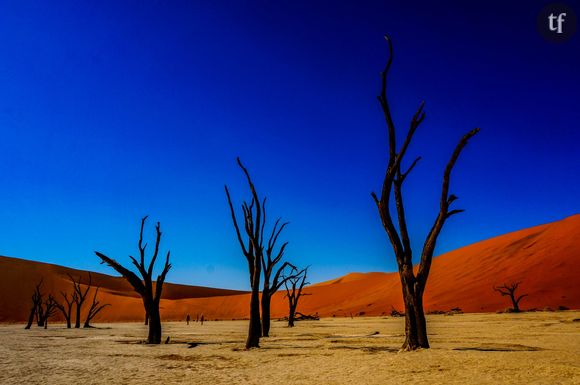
(113, 110)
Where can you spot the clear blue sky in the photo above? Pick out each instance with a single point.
(112, 110)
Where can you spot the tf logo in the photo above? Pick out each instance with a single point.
(557, 22)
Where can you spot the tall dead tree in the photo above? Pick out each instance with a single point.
(151, 294)
(509, 290)
(270, 258)
(294, 285)
(80, 296)
(413, 285)
(253, 250)
(36, 302)
(66, 307)
(94, 309)
(50, 307)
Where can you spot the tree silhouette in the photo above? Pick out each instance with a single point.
(66, 307)
(36, 303)
(413, 285)
(151, 294)
(509, 290)
(270, 258)
(50, 307)
(254, 222)
(40, 312)
(95, 308)
(294, 285)
(80, 296)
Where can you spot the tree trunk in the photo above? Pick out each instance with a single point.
(31, 318)
(255, 328)
(291, 317)
(39, 316)
(421, 322)
(154, 318)
(415, 323)
(149, 291)
(67, 316)
(266, 299)
(516, 307)
(78, 315)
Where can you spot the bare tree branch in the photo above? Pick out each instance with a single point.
(235, 221)
(94, 309)
(131, 277)
(509, 290)
(294, 285)
(36, 304)
(254, 215)
(143, 285)
(67, 310)
(446, 199)
(50, 307)
(413, 285)
(80, 296)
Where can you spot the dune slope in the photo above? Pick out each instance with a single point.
(18, 278)
(546, 259)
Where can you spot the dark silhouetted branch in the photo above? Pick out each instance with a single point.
(149, 291)
(94, 309)
(394, 178)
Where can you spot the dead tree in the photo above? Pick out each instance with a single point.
(95, 308)
(40, 314)
(36, 302)
(50, 307)
(294, 285)
(306, 317)
(413, 285)
(270, 258)
(80, 296)
(253, 250)
(396, 313)
(510, 291)
(66, 307)
(151, 294)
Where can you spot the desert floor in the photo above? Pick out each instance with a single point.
(539, 348)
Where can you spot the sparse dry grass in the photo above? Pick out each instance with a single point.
(539, 348)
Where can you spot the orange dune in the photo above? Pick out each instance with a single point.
(546, 259)
(18, 278)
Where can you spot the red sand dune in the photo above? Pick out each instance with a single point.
(18, 278)
(546, 259)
